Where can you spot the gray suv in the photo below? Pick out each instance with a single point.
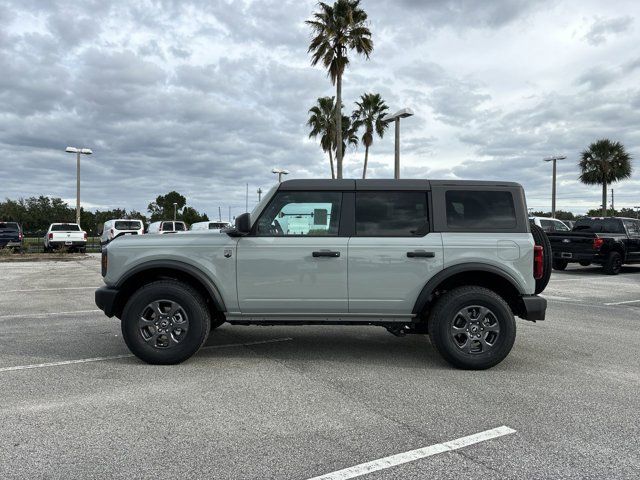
(452, 259)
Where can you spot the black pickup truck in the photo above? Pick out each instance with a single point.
(610, 242)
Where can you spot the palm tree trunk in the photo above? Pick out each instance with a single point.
(333, 174)
(366, 159)
(604, 197)
(339, 125)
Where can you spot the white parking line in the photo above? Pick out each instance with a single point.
(551, 297)
(50, 314)
(50, 289)
(127, 355)
(412, 455)
(622, 303)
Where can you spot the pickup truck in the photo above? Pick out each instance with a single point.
(11, 235)
(456, 260)
(610, 242)
(65, 236)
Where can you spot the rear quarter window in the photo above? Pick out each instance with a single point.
(65, 227)
(128, 225)
(477, 209)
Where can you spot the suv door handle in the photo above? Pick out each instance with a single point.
(421, 254)
(326, 253)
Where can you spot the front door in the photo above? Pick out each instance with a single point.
(392, 254)
(294, 261)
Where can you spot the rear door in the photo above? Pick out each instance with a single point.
(295, 261)
(392, 253)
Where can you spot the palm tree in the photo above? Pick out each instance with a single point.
(349, 133)
(336, 30)
(322, 123)
(371, 109)
(603, 163)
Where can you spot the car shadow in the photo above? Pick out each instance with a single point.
(576, 270)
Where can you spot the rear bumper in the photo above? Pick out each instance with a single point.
(578, 257)
(10, 243)
(62, 244)
(106, 299)
(535, 307)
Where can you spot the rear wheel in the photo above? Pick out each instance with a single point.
(560, 264)
(540, 238)
(472, 328)
(613, 265)
(585, 264)
(165, 322)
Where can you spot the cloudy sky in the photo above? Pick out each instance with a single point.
(204, 96)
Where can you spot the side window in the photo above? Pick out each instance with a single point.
(301, 213)
(633, 227)
(391, 214)
(167, 226)
(547, 225)
(560, 227)
(480, 209)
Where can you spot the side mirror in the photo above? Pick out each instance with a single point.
(243, 226)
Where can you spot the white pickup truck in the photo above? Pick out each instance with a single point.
(65, 235)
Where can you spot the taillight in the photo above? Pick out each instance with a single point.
(20, 236)
(51, 236)
(538, 262)
(597, 243)
(85, 235)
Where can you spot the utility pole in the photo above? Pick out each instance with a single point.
(229, 213)
(613, 208)
(175, 210)
(554, 159)
(637, 207)
(219, 213)
(259, 194)
(78, 152)
(246, 200)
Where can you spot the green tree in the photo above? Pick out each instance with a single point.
(162, 208)
(322, 124)
(603, 163)
(337, 29)
(190, 216)
(368, 114)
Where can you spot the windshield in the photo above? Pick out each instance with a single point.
(217, 225)
(260, 205)
(65, 227)
(599, 225)
(9, 226)
(128, 225)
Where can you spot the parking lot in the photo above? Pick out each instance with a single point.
(301, 402)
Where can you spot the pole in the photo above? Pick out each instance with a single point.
(553, 191)
(259, 194)
(613, 208)
(396, 173)
(78, 188)
(174, 211)
(229, 213)
(246, 201)
(219, 213)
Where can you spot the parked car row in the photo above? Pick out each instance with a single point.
(113, 229)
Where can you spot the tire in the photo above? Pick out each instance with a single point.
(585, 264)
(613, 265)
(560, 264)
(144, 334)
(540, 238)
(458, 348)
(216, 322)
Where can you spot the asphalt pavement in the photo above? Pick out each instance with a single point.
(305, 401)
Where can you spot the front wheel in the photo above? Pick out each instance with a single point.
(472, 328)
(613, 265)
(165, 322)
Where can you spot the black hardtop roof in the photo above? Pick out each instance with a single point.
(385, 184)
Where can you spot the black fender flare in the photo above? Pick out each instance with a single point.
(426, 295)
(187, 268)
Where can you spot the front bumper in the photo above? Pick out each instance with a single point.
(535, 307)
(106, 300)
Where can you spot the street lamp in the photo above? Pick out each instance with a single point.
(78, 152)
(259, 194)
(553, 185)
(175, 210)
(280, 173)
(404, 113)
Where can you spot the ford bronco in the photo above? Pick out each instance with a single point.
(455, 260)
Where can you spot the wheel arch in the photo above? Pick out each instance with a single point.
(162, 269)
(471, 274)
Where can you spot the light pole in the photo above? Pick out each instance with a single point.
(280, 173)
(554, 159)
(175, 210)
(259, 194)
(78, 152)
(404, 113)
(637, 207)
